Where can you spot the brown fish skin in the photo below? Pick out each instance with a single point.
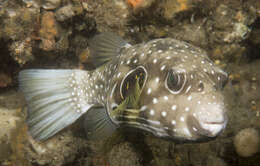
(180, 95)
(192, 109)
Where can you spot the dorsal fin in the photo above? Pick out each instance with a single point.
(104, 47)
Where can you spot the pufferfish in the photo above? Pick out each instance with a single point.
(165, 87)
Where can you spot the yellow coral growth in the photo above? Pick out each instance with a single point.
(48, 26)
(172, 7)
(18, 141)
(183, 5)
(134, 3)
(48, 31)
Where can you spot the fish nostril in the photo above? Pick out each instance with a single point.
(219, 86)
(200, 86)
(224, 84)
(114, 107)
(215, 87)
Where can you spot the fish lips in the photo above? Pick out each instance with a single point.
(209, 129)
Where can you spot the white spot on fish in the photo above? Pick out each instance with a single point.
(188, 89)
(187, 109)
(149, 91)
(174, 107)
(155, 61)
(165, 97)
(157, 79)
(118, 75)
(142, 54)
(189, 98)
(164, 113)
(193, 128)
(155, 101)
(168, 57)
(182, 119)
(173, 122)
(135, 61)
(151, 112)
(144, 107)
(160, 51)
(163, 67)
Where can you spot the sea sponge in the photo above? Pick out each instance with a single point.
(247, 142)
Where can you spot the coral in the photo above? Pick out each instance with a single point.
(5, 80)
(21, 51)
(48, 31)
(10, 121)
(136, 4)
(247, 142)
(124, 154)
(51, 4)
(65, 13)
(172, 7)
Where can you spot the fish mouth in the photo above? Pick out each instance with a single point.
(206, 128)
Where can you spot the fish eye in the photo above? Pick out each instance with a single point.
(175, 81)
(129, 82)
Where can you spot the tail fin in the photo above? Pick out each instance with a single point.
(104, 47)
(55, 99)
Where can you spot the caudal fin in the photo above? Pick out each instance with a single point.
(55, 99)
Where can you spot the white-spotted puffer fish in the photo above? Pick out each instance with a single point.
(166, 87)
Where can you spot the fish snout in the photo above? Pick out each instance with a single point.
(210, 122)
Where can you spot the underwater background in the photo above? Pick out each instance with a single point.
(54, 34)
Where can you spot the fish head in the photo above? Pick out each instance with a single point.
(180, 97)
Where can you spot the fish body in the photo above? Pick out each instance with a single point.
(165, 86)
